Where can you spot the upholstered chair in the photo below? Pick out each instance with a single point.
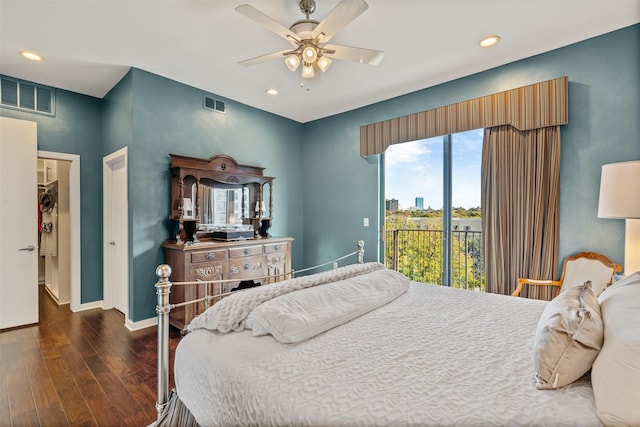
(576, 270)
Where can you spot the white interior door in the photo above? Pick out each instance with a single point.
(18, 223)
(116, 232)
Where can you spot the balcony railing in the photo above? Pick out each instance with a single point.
(418, 254)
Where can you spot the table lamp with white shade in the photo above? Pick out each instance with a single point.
(619, 198)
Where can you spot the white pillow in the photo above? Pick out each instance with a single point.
(302, 314)
(568, 337)
(616, 371)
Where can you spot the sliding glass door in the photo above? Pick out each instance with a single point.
(432, 210)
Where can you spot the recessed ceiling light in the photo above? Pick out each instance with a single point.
(31, 55)
(489, 41)
(272, 92)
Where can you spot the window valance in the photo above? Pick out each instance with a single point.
(529, 107)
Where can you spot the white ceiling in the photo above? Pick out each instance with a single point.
(88, 45)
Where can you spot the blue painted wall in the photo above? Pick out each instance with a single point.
(604, 106)
(76, 129)
(168, 117)
(117, 116)
(319, 173)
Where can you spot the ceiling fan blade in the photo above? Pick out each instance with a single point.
(357, 54)
(267, 57)
(345, 12)
(266, 21)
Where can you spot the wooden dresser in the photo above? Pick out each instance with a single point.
(241, 260)
(221, 212)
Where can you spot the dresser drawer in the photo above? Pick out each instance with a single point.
(247, 268)
(211, 271)
(206, 256)
(201, 272)
(275, 247)
(245, 251)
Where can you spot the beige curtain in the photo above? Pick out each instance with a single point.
(520, 206)
(535, 106)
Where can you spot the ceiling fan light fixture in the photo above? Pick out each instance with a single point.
(310, 54)
(307, 70)
(293, 62)
(324, 63)
(309, 38)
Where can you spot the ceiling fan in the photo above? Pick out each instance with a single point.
(309, 38)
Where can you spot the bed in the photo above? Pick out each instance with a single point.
(420, 355)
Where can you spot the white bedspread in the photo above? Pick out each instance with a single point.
(434, 356)
(230, 313)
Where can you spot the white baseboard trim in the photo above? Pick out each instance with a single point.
(141, 324)
(87, 306)
(131, 326)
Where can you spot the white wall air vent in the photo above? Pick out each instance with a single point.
(26, 96)
(9, 93)
(213, 104)
(44, 99)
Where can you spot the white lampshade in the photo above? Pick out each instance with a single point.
(293, 62)
(617, 196)
(307, 71)
(324, 63)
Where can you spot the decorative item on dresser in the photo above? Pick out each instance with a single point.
(221, 212)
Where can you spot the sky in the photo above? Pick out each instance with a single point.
(414, 169)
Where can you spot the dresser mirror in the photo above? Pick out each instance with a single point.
(221, 205)
(219, 199)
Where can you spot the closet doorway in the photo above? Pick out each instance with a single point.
(59, 226)
(54, 261)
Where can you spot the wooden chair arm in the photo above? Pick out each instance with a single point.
(533, 282)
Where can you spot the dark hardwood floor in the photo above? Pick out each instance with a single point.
(79, 369)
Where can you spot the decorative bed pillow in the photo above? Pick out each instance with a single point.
(299, 315)
(568, 337)
(616, 371)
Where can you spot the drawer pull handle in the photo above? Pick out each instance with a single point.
(233, 270)
(276, 247)
(246, 266)
(210, 255)
(246, 251)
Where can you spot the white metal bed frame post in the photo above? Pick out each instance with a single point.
(163, 307)
(163, 289)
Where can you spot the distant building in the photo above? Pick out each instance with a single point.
(392, 205)
(420, 203)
